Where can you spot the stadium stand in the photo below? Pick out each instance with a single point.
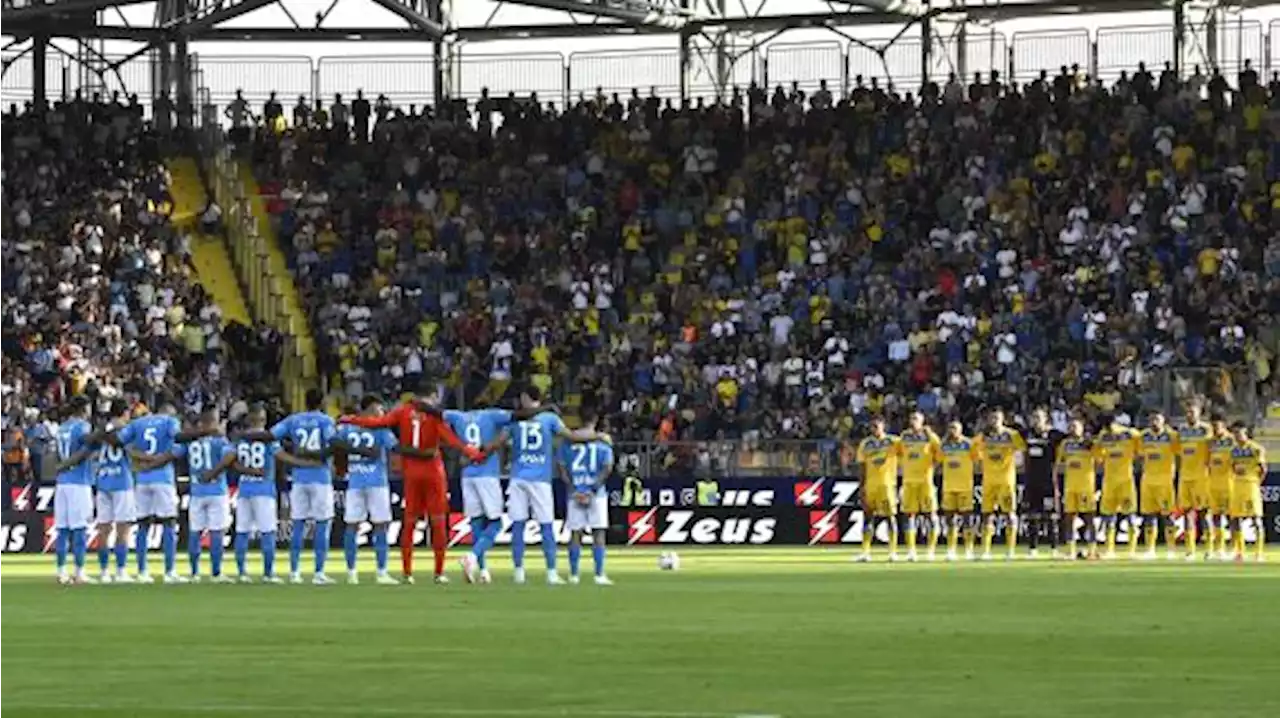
(101, 296)
(750, 269)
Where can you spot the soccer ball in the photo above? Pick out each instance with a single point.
(669, 561)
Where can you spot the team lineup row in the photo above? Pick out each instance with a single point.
(122, 477)
(1208, 472)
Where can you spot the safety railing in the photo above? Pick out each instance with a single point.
(560, 78)
(735, 458)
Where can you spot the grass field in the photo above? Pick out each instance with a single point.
(735, 632)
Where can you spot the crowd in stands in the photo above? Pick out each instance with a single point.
(99, 293)
(776, 265)
(780, 265)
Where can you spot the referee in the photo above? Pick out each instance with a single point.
(1040, 495)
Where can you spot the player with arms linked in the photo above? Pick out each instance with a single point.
(1116, 447)
(73, 496)
(1221, 486)
(481, 484)
(1156, 499)
(958, 458)
(878, 454)
(208, 459)
(529, 494)
(150, 440)
(585, 468)
(309, 434)
(1193, 476)
(116, 505)
(920, 449)
(256, 509)
(1076, 468)
(1041, 497)
(998, 447)
(368, 495)
(421, 428)
(1248, 466)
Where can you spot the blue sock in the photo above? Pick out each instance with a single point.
(60, 542)
(104, 553)
(295, 545)
(194, 549)
(268, 543)
(140, 536)
(597, 553)
(322, 545)
(484, 536)
(215, 551)
(122, 554)
(349, 546)
(517, 544)
(549, 545)
(242, 553)
(575, 557)
(380, 547)
(169, 544)
(79, 545)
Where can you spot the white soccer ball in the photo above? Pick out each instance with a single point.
(669, 561)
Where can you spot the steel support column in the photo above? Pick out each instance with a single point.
(182, 78)
(39, 77)
(685, 39)
(926, 48)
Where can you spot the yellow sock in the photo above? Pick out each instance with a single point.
(1192, 533)
(893, 537)
(934, 532)
(1135, 538)
(970, 540)
(911, 535)
(868, 535)
(1011, 536)
(988, 534)
(953, 537)
(1152, 534)
(1218, 540)
(1260, 543)
(1071, 547)
(1170, 536)
(1111, 539)
(1237, 538)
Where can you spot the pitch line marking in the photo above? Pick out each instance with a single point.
(385, 711)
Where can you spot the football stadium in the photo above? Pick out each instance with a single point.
(640, 358)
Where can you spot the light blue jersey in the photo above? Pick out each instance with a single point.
(364, 471)
(586, 464)
(113, 468)
(533, 447)
(204, 454)
(478, 428)
(153, 435)
(257, 455)
(310, 431)
(72, 437)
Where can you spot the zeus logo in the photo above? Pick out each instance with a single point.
(459, 530)
(13, 538)
(641, 527)
(43, 498)
(809, 493)
(823, 526)
(739, 497)
(843, 493)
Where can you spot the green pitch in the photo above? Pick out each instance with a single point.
(735, 632)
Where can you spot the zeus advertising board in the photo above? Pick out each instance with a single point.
(728, 511)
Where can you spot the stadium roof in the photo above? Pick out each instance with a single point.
(207, 20)
(710, 44)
